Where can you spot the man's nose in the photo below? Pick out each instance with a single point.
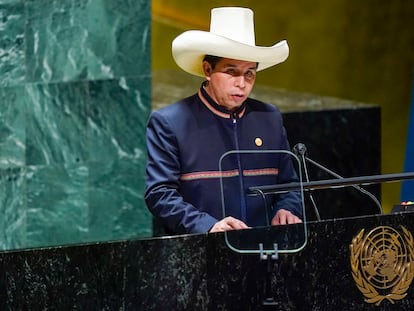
(240, 81)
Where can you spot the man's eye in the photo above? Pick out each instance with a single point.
(249, 75)
(231, 72)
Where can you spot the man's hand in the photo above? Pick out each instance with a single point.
(284, 217)
(228, 223)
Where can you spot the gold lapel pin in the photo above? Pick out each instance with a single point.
(258, 141)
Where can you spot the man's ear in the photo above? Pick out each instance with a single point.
(207, 69)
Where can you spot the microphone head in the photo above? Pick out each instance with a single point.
(299, 149)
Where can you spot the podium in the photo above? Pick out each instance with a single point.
(200, 272)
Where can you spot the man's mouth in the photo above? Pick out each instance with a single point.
(238, 95)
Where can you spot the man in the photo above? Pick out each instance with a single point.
(189, 168)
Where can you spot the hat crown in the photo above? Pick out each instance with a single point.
(234, 23)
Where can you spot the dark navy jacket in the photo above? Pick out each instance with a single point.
(187, 174)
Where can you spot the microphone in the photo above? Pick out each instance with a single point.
(300, 150)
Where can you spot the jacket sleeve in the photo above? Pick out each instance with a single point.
(162, 190)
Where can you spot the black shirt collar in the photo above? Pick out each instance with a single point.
(217, 106)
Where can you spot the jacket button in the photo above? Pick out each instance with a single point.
(258, 141)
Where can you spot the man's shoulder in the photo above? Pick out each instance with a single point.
(258, 105)
(178, 108)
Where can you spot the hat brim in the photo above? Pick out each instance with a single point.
(190, 47)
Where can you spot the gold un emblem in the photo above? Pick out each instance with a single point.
(382, 263)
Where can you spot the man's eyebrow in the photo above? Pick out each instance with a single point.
(229, 65)
(225, 65)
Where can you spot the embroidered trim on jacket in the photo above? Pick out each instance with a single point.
(261, 172)
(209, 174)
(231, 173)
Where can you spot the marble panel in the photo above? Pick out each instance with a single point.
(119, 36)
(12, 42)
(117, 155)
(115, 199)
(317, 278)
(87, 39)
(57, 205)
(56, 123)
(56, 37)
(70, 279)
(168, 274)
(12, 127)
(12, 208)
(117, 116)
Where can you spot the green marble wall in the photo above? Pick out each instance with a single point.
(75, 94)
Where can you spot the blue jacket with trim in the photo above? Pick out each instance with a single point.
(187, 175)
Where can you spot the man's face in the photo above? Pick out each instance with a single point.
(230, 82)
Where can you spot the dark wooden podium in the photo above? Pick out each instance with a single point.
(200, 272)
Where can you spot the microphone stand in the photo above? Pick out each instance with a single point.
(305, 168)
(300, 150)
(354, 186)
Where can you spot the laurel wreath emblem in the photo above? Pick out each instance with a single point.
(370, 292)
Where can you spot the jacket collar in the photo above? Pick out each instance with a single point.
(216, 108)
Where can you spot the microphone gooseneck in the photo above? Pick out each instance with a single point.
(300, 151)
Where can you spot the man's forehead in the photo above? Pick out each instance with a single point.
(229, 62)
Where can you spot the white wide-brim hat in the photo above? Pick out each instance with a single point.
(231, 35)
